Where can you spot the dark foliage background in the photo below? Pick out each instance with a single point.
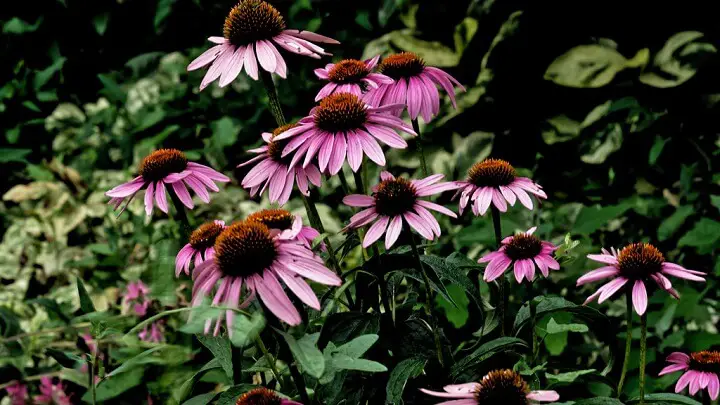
(611, 106)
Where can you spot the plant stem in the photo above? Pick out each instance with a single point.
(268, 357)
(428, 296)
(185, 227)
(419, 147)
(532, 323)
(343, 183)
(501, 280)
(643, 354)
(91, 375)
(274, 100)
(628, 343)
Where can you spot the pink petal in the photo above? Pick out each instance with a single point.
(639, 297)
(543, 396)
(250, 62)
(611, 288)
(375, 231)
(598, 274)
(448, 394)
(161, 197)
(234, 67)
(265, 55)
(672, 368)
(274, 297)
(608, 259)
(127, 189)
(393, 231)
(300, 288)
(358, 200)
(149, 198)
(182, 193)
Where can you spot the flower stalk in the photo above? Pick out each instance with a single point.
(502, 303)
(419, 147)
(628, 344)
(643, 355)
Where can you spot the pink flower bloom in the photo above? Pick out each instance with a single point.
(250, 35)
(273, 171)
(524, 251)
(249, 254)
(136, 296)
(286, 222)
(350, 76)
(415, 86)
(168, 167)
(200, 246)
(263, 395)
(395, 199)
(343, 125)
(18, 393)
(51, 393)
(495, 181)
(701, 371)
(497, 387)
(635, 265)
(155, 332)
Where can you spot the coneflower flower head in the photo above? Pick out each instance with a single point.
(524, 251)
(497, 387)
(350, 76)
(341, 126)
(200, 246)
(414, 85)
(168, 168)
(495, 181)
(251, 32)
(395, 200)
(249, 254)
(701, 371)
(635, 265)
(285, 221)
(273, 171)
(263, 396)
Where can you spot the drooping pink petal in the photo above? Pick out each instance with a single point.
(274, 297)
(639, 297)
(358, 200)
(127, 189)
(375, 231)
(611, 288)
(183, 194)
(598, 274)
(149, 198)
(543, 396)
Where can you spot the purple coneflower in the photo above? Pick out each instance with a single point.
(497, 387)
(275, 172)
(286, 222)
(350, 76)
(18, 393)
(200, 246)
(524, 251)
(51, 393)
(168, 167)
(635, 265)
(136, 297)
(395, 199)
(249, 254)
(415, 85)
(701, 371)
(155, 332)
(251, 31)
(343, 125)
(495, 181)
(263, 396)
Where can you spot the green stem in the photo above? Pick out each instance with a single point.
(533, 321)
(343, 183)
(643, 354)
(419, 147)
(501, 280)
(359, 183)
(274, 100)
(268, 357)
(628, 344)
(91, 375)
(428, 296)
(182, 217)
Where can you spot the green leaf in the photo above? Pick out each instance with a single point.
(546, 305)
(246, 330)
(457, 314)
(678, 60)
(704, 236)
(66, 359)
(86, 304)
(554, 327)
(13, 155)
(162, 12)
(306, 353)
(343, 327)
(403, 371)
(657, 148)
(484, 352)
(224, 132)
(18, 26)
(590, 219)
(664, 398)
(101, 21)
(111, 89)
(187, 387)
(434, 53)
(674, 222)
(344, 362)
(599, 401)
(43, 76)
(112, 387)
(445, 270)
(134, 361)
(568, 377)
(358, 346)
(202, 399)
(590, 66)
(220, 348)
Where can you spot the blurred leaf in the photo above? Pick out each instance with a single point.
(44, 76)
(220, 348)
(246, 330)
(130, 364)
(665, 322)
(599, 401)
(343, 327)
(657, 148)
(306, 353)
(86, 304)
(554, 327)
(704, 236)
(403, 371)
(591, 66)
(677, 61)
(567, 377)
(162, 12)
(457, 315)
(225, 132)
(17, 26)
(66, 359)
(112, 387)
(590, 219)
(608, 141)
(13, 155)
(100, 22)
(546, 305)
(673, 222)
(508, 29)
(362, 18)
(434, 53)
(664, 398)
(202, 399)
(484, 352)
(187, 387)
(111, 89)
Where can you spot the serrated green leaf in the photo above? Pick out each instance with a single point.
(306, 353)
(358, 346)
(344, 362)
(403, 371)
(219, 346)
